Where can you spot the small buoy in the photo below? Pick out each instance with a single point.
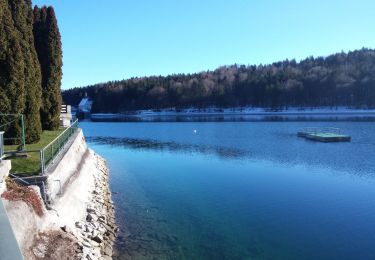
(195, 131)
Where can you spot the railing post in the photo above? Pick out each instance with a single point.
(42, 161)
(23, 133)
(1, 145)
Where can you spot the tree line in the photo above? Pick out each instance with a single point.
(30, 67)
(342, 79)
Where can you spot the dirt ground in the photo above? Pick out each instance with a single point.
(54, 245)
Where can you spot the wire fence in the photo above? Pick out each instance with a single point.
(50, 151)
(35, 162)
(13, 126)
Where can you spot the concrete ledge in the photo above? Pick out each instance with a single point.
(5, 167)
(9, 249)
(24, 222)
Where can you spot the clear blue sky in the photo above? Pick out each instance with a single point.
(119, 39)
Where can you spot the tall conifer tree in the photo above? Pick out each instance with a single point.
(12, 91)
(48, 46)
(23, 21)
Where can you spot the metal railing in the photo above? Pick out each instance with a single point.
(49, 152)
(15, 119)
(1, 145)
(331, 130)
(325, 130)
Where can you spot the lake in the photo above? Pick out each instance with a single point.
(239, 189)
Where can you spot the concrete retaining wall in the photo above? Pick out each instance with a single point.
(67, 167)
(25, 223)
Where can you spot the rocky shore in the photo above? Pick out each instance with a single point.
(81, 222)
(89, 234)
(96, 234)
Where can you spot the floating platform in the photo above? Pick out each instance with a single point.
(326, 135)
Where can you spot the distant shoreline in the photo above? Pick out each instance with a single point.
(340, 111)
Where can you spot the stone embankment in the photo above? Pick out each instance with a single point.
(93, 233)
(81, 222)
(96, 234)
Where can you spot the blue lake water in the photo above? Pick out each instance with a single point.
(239, 190)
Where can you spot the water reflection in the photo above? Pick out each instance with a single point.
(153, 145)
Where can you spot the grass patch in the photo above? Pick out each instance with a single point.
(30, 165)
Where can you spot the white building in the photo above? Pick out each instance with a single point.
(65, 116)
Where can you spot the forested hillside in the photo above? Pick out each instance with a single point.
(342, 79)
(30, 68)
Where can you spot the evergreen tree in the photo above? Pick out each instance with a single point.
(48, 47)
(12, 91)
(23, 22)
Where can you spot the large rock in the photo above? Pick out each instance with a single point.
(98, 239)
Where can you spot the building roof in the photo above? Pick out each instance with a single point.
(85, 105)
(85, 102)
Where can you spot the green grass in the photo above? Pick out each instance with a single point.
(30, 165)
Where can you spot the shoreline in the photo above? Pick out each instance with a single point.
(236, 111)
(81, 222)
(96, 233)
